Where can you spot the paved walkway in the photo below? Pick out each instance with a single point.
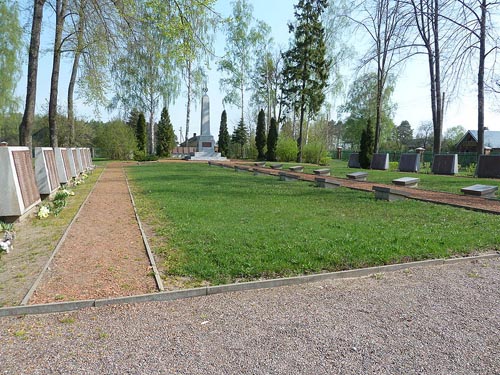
(103, 254)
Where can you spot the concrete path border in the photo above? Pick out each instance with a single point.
(209, 290)
(35, 285)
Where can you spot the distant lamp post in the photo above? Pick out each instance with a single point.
(487, 150)
(420, 151)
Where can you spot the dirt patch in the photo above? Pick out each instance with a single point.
(103, 254)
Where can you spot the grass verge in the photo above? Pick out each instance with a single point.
(220, 226)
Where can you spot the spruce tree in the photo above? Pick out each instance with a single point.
(272, 140)
(140, 133)
(165, 135)
(240, 136)
(306, 67)
(366, 146)
(224, 138)
(260, 135)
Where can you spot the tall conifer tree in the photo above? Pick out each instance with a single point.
(224, 138)
(260, 135)
(272, 140)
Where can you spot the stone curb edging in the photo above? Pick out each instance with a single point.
(37, 282)
(159, 282)
(210, 290)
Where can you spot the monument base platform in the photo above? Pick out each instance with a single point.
(207, 155)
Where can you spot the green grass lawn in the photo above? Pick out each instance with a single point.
(220, 226)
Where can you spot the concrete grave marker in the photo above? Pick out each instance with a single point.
(62, 163)
(445, 164)
(80, 159)
(380, 162)
(357, 176)
(76, 160)
(488, 166)
(18, 190)
(485, 191)
(409, 163)
(47, 178)
(353, 160)
(71, 162)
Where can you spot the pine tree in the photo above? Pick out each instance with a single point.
(272, 140)
(366, 145)
(165, 135)
(140, 133)
(240, 136)
(306, 67)
(260, 135)
(224, 138)
(132, 118)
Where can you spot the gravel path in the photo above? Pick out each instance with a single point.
(435, 320)
(103, 254)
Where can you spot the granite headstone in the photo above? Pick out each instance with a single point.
(354, 160)
(409, 163)
(445, 164)
(46, 175)
(380, 162)
(488, 166)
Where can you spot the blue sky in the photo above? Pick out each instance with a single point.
(411, 94)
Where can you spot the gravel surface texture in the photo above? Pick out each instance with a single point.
(434, 320)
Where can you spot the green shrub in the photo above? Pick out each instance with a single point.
(287, 149)
(315, 153)
(393, 166)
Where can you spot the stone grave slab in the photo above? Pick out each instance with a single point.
(354, 160)
(260, 164)
(389, 194)
(410, 182)
(485, 191)
(276, 166)
(325, 183)
(380, 162)
(62, 163)
(296, 168)
(18, 190)
(445, 164)
(81, 161)
(284, 176)
(71, 161)
(322, 172)
(488, 166)
(77, 161)
(357, 176)
(46, 175)
(409, 163)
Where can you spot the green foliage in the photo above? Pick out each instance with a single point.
(224, 139)
(240, 136)
(315, 153)
(11, 50)
(272, 140)
(116, 140)
(366, 145)
(306, 67)
(243, 36)
(361, 106)
(286, 149)
(166, 139)
(404, 135)
(452, 136)
(260, 135)
(140, 133)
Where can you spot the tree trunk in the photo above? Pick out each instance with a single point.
(74, 72)
(378, 120)
(480, 79)
(188, 104)
(56, 63)
(438, 123)
(26, 126)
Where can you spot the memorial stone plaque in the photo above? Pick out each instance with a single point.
(62, 163)
(445, 164)
(76, 160)
(71, 162)
(47, 179)
(380, 162)
(18, 190)
(80, 159)
(354, 160)
(488, 166)
(409, 163)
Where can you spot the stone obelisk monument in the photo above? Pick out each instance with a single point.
(205, 142)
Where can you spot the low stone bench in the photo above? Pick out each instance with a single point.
(485, 191)
(389, 194)
(410, 182)
(276, 166)
(322, 182)
(322, 172)
(357, 176)
(284, 176)
(296, 168)
(260, 164)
